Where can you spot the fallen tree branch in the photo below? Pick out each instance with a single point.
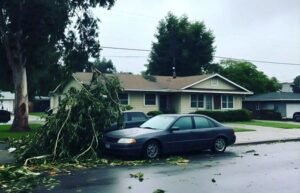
(37, 157)
(87, 150)
(58, 135)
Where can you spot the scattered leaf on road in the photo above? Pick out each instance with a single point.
(213, 180)
(139, 176)
(159, 191)
(250, 151)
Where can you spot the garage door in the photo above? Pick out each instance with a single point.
(291, 109)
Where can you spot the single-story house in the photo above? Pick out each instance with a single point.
(7, 101)
(286, 103)
(286, 87)
(167, 93)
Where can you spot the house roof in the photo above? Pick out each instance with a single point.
(4, 95)
(275, 96)
(132, 82)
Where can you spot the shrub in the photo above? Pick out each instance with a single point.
(228, 116)
(154, 113)
(267, 115)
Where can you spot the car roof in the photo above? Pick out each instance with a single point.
(181, 115)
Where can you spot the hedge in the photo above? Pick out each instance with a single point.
(228, 116)
(267, 115)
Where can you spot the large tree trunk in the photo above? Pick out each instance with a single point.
(17, 62)
(20, 122)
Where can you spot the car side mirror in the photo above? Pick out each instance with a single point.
(174, 128)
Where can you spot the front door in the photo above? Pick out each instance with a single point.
(163, 103)
(209, 102)
(217, 101)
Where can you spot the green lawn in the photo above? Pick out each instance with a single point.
(5, 132)
(242, 129)
(275, 124)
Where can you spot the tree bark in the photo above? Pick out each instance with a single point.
(20, 122)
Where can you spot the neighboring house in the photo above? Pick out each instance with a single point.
(168, 94)
(7, 101)
(41, 104)
(286, 87)
(286, 103)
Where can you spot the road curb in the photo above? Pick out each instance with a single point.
(266, 142)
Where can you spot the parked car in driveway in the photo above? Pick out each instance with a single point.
(129, 119)
(4, 116)
(164, 134)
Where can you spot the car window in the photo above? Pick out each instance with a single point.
(137, 116)
(202, 122)
(159, 122)
(184, 123)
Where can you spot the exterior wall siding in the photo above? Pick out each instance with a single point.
(137, 102)
(220, 85)
(238, 102)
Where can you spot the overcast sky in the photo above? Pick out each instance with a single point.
(258, 29)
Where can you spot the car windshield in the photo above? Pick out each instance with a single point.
(159, 122)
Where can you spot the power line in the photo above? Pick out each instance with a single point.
(220, 57)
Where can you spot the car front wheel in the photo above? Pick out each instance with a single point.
(152, 150)
(219, 145)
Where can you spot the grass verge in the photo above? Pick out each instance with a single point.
(274, 124)
(5, 132)
(242, 130)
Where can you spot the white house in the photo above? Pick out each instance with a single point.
(166, 93)
(7, 101)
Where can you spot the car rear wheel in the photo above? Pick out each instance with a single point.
(152, 150)
(297, 118)
(219, 145)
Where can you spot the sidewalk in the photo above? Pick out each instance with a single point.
(264, 134)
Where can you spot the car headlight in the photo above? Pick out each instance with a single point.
(127, 140)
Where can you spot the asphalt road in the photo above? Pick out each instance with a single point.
(254, 169)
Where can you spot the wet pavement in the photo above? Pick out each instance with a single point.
(5, 157)
(255, 169)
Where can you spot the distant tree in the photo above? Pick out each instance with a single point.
(36, 34)
(246, 74)
(104, 66)
(296, 84)
(186, 45)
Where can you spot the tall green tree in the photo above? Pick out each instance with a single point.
(104, 66)
(296, 84)
(246, 74)
(186, 45)
(36, 34)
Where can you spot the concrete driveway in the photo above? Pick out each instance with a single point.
(264, 134)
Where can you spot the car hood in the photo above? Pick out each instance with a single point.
(131, 132)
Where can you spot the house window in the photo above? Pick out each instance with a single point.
(123, 98)
(150, 99)
(197, 100)
(257, 107)
(227, 102)
(214, 82)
